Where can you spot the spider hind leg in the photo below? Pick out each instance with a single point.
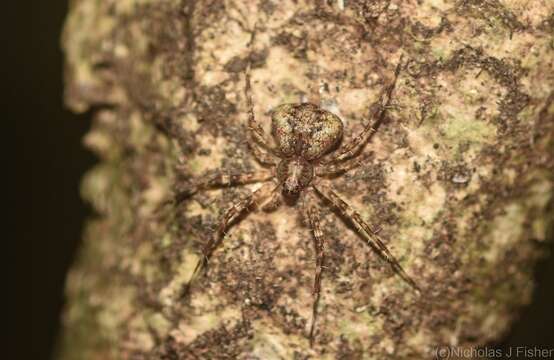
(225, 223)
(221, 179)
(373, 240)
(319, 247)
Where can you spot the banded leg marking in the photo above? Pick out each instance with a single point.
(352, 148)
(319, 248)
(373, 240)
(256, 135)
(225, 222)
(337, 168)
(221, 179)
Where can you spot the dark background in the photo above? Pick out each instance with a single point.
(51, 161)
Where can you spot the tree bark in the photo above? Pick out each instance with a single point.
(460, 179)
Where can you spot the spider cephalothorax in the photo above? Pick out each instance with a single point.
(306, 139)
(294, 174)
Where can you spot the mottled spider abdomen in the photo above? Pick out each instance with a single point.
(305, 130)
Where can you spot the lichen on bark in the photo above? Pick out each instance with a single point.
(460, 181)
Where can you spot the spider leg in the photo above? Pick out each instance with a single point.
(319, 248)
(340, 167)
(225, 222)
(256, 135)
(363, 228)
(272, 203)
(220, 179)
(355, 146)
(262, 156)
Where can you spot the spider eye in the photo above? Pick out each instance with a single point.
(291, 187)
(295, 175)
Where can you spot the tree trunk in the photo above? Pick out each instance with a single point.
(459, 177)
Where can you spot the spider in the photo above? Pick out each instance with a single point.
(306, 138)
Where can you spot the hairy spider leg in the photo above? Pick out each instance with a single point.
(355, 146)
(341, 167)
(364, 229)
(319, 248)
(225, 222)
(221, 179)
(256, 134)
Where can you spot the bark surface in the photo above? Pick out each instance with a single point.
(460, 179)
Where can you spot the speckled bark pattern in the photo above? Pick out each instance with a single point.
(460, 181)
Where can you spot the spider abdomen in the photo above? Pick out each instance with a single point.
(305, 130)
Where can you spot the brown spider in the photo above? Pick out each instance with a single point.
(304, 133)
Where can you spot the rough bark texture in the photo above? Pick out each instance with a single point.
(460, 180)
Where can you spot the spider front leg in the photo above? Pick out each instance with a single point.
(220, 179)
(225, 222)
(355, 146)
(364, 229)
(319, 248)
